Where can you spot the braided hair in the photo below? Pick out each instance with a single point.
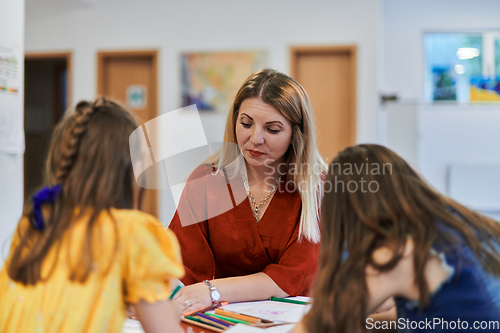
(84, 111)
(89, 159)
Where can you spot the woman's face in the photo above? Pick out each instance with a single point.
(262, 132)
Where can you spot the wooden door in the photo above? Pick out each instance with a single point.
(119, 73)
(47, 95)
(328, 74)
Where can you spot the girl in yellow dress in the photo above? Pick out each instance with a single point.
(82, 251)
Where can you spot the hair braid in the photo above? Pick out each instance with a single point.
(84, 111)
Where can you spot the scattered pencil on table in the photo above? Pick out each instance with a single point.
(240, 316)
(209, 322)
(198, 322)
(286, 300)
(222, 319)
(175, 291)
(229, 319)
(214, 320)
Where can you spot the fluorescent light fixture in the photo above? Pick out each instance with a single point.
(460, 69)
(467, 53)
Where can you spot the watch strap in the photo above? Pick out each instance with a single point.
(212, 289)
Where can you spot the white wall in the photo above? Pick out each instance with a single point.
(11, 165)
(457, 134)
(85, 27)
(450, 132)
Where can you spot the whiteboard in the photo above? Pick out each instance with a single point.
(11, 77)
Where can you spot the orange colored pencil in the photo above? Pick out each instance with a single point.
(229, 314)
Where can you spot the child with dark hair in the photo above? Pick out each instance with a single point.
(82, 251)
(386, 233)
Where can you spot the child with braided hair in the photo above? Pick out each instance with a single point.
(82, 250)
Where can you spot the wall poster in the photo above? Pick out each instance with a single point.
(211, 79)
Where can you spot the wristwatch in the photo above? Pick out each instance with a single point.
(214, 293)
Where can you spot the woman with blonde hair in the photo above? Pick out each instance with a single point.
(247, 220)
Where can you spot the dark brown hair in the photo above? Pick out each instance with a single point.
(89, 157)
(356, 221)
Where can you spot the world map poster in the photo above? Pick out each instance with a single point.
(211, 79)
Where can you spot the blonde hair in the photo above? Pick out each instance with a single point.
(290, 99)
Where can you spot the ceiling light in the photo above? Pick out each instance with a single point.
(467, 53)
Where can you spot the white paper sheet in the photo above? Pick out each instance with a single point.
(132, 326)
(240, 328)
(11, 133)
(271, 310)
(11, 84)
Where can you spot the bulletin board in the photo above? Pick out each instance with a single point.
(11, 95)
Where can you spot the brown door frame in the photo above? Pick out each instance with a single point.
(351, 50)
(101, 58)
(68, 56)
(153, 96)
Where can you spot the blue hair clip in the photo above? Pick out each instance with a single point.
(45, 195)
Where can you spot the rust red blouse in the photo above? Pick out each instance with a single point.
(231, 243)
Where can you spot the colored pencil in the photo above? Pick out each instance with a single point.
(285, 300)
(250, 319)
(214, 320)
(209, 322)
(175, 291)
(231, 320)
(197, 322)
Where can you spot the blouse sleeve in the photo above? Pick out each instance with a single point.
(295, 270)
(191, 228)
(152, 259)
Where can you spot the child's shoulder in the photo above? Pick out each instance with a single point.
(133, 223)
(133, 216)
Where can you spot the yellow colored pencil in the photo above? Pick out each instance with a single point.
(249, 319)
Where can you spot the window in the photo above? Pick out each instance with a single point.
(497, 56)
(462, 67)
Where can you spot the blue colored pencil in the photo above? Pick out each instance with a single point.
(213, 319)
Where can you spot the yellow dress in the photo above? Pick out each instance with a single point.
(147, 257)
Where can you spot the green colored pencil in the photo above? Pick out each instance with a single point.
(175, 291)
(232, 320)
(200, 321)
(277, 299)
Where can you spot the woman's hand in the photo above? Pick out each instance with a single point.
(193, 297)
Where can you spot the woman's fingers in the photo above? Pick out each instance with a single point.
(190, 306)
(193, 297)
